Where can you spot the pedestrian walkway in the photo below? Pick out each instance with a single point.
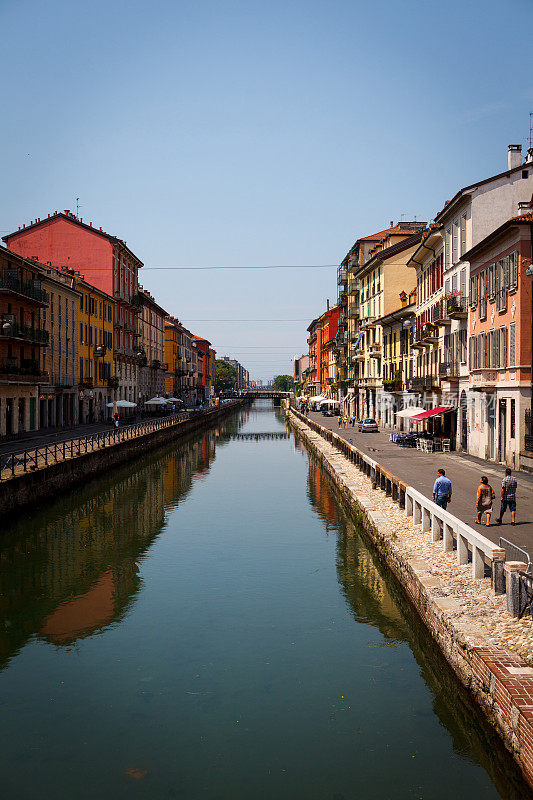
(40, 438)
(420, 470)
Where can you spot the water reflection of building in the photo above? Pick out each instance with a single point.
(73, 570)
(376, 599)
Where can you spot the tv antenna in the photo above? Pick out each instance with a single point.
(78, 207)
(530, 129)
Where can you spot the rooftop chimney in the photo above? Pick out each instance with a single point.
(524, 207)
(67, 211)
(391, 223)
(529, 156)
(514, 156)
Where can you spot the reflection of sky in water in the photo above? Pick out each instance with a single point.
(207, 623)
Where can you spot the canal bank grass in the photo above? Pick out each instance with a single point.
(467, 621)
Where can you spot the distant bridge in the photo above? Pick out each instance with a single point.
(266, 394)
(256, 437)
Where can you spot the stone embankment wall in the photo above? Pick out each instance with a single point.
(463, 615)
(48, 482)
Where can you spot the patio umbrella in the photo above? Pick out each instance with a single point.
(121, 404)
(156, 401)
(174, 400)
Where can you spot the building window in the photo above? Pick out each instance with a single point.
(513, 418)
(492, 282)
(463, 233)
(512, 344)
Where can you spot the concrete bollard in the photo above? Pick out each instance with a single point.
(426, 520)
(512, 585)
(408, 505)
(417, 513)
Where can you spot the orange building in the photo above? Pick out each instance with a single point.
(497, 407)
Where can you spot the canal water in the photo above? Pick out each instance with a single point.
(208, 623)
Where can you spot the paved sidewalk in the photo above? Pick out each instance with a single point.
(420, 470)
(40, 438)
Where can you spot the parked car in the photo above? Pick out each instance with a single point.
(368, 426)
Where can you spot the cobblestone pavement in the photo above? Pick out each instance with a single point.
(473, 609)
(420, 470)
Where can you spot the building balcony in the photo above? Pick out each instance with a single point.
(86, 383)
(100, 351)
(11, 329)
(440, 316)
(484, 379)
(136, 300)
(358, 356)
(456, 307)
(353, 312)
(353, 286)
(25, 370)
(424, 383)
(393, 386)
(342, 276)
(156, 364)
(429, 333)
(418, 341)
(449, 370)
(113, 382)
(375, 350)
(11, 282)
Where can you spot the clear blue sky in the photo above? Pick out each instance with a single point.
(251, 133)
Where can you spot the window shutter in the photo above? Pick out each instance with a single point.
(463, 234)
(447, 286)
(496, 350)
(462, 283)
(512, 344)
(513, 270)
(492, 281)
(455, 241)
(506, 277)
(503, 347)
(499, 279)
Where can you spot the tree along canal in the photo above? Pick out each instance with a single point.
(208, 623)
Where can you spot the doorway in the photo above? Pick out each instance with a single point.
(464, 423)
(9, 416)
(491, 422)
(502, 429)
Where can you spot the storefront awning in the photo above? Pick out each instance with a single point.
(433, 412)
(410, 412)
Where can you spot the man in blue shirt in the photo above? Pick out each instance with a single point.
(442, 489)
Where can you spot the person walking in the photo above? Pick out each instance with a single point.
(352, 419)
(508, 497)
(442, 489)
(485, 496)
(340, 420)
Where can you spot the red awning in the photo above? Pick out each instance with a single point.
(431, 413)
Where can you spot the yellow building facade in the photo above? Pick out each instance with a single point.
(94, 363)
(382, 279)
